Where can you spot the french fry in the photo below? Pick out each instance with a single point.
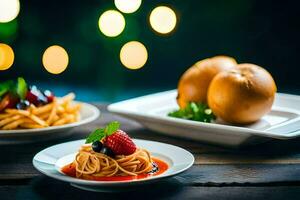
(13, 125)
(32, 107)
(3, 116)
(61, 111)
(38, 120)
(42, 109)
(66, 119)
(73, 108)
(52, 114)
(30, 126)
(68, 98)
(9, 120)
(20, 112)
(44, 116)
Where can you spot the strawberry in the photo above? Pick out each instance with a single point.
(120, 143)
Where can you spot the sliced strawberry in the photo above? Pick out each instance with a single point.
(120, 143)
(12, 101)
(8, 101)
(4, 102)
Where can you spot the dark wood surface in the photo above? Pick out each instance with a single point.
(266, 171)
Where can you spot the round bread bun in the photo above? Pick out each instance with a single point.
(193, 84)
(242, 95)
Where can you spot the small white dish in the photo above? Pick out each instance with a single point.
(283, 122)
(50, 161)
(88, 113)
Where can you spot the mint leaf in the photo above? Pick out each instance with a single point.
(112, 127)
(21, 88)
(5, 87)
(99, 134)
(96, 135)
(194, 111)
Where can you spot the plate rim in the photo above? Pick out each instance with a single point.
(18, 132)
(57, 175)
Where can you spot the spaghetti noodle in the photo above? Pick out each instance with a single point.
(89, 162)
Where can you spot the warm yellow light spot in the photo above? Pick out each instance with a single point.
(133, 55)
(163, 19)
(111, 23)
(6, 56)
(55, 59)
(9, 10)
(128, 6)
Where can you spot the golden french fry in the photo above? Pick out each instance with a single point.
(32, 107)
(15, 111)
(13, 125)
(69, 97)
(9, 120)
(44, 116)
(38, 120)
(3, 116)
(60, 109)
(73, 108)
(66, 119)
(30, 126)
(53, 113)
(42, 109)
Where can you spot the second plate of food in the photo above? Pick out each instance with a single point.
(86, 113)
(282, 122)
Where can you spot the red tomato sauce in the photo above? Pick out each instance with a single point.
(70, 170)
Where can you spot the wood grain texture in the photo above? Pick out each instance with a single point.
(46, 188)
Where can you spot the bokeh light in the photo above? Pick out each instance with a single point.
(6, 56)
(9, 10)
(163, 19)
(133, 55)
(128, 6)
(55, 59)
(111, 23)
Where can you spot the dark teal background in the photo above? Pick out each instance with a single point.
(262, 32)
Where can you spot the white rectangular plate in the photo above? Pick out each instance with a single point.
(282, 122)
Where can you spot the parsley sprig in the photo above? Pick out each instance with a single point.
(100, 133)
(194, 111)
(18, 88)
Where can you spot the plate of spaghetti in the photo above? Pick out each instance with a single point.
(109, 160)
(28, 113)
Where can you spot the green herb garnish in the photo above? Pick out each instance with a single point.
(194, 111)
(18, 88)
(6, 87)
(100, 133)
(21, 88)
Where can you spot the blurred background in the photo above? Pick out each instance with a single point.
(171, 36)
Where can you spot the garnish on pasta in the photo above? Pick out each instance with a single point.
(111, 155)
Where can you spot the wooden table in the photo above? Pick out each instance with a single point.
(267, 171)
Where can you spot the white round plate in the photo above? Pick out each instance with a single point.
(88, 113)
(49, 162)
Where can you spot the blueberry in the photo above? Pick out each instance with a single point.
(97, 146)
(107, 151)
(154, 168)
(22, 105)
